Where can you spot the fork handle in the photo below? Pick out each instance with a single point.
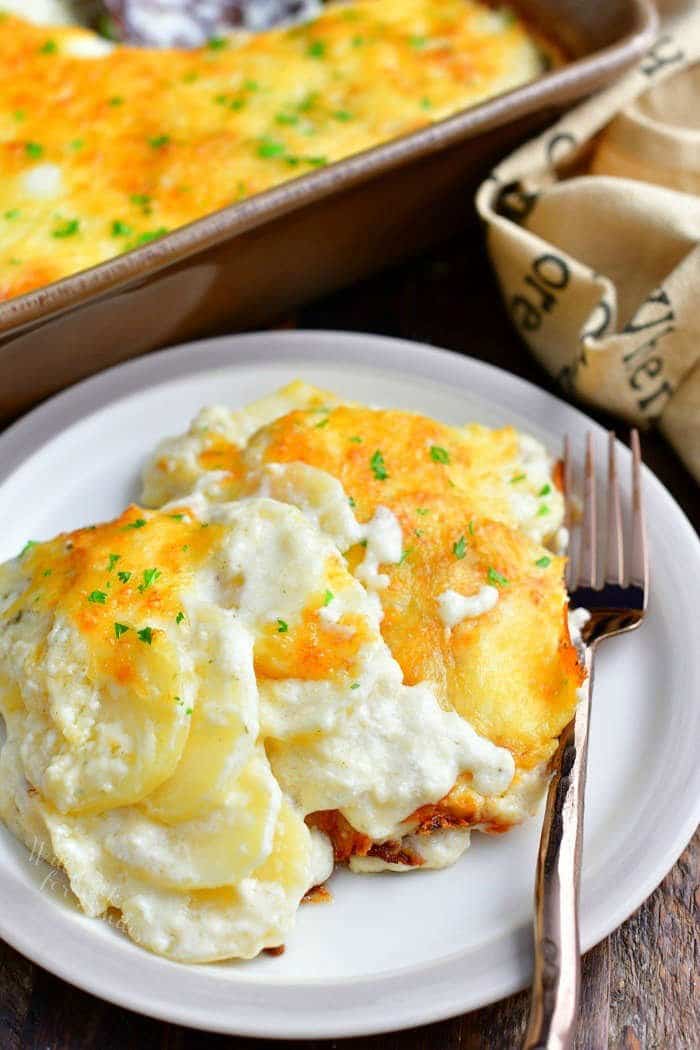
(557, 976)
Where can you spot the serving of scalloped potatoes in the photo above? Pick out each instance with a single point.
(329, 634)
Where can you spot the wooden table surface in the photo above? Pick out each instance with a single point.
(640, 986)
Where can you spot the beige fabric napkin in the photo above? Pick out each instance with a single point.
(594, 231)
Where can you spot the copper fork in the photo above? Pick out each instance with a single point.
(616, 603)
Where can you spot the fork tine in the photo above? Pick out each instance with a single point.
(614, 561)
(587, 573)
(639, 561)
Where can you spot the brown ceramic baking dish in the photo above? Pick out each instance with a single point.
(243, 265)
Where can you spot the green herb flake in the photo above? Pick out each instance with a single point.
(316, 49)
(121, 229)
(470, 528)
(439, 455)
(544, 562)
(495, 577)
(19, 115)
(236, 104)
(188, 710)
(120, 629)
(355, 685)
(328, 598)
(342, 115)
(356, 439)
(180, 617)
(147, 237)
(27, 547)
(417, 42)
(50, 47)
(426, 103)
(270, 148)
(286, 118)
(142, 201)
(459, 549)
(145, 635)
(545, 490)
(149, 576)
(97, 597)
(351, 501)
(176, 517)
(124, 576)
(138, 523)
(357, 41)
(216, 43)
(516, 478)
(47, 572)
(159, 141)
(76, 144)
(405, 554)
(378, 466)
(113, 559)
(69, 228)
(251, 85)
(282, 626)
(418, 533)
(322, 423)
(115, 100)
(33, 150)
(422, 511)
(12, 213)
(542, 510)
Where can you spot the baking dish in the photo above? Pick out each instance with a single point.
(243, 265)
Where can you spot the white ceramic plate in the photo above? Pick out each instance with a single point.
(391, 951)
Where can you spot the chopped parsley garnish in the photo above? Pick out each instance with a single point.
(120, 629)
(113, 559)
(159, 141)
(216, 43)
(322, 423)
(138, 523)
(418, 533)
(544, 509)
(286, 118)
(342, 115)
(470, 528)
(116, 100)
(495, 577)
(351, 501)
(121, 229)
(439, 455)
(282, 626)
(28, 546)
(176, 517)
(50, 47)
(418, 42)
(76, 143)
(12, 213)
(97, 597)
(179, 701)
(149, 576)
(124, 576)
(328, 598)
(358, 41)
(422, 511)
(270, 148)
(543, 562)
(459, 549)
(307, 103)
(251, 85)
(33, 150)
(378, 466)
(316, 49)
(545, 490)
(516, 478)
(426, 103)
(188, 710)
(356, 439)
(180, 617)
(147, 237)
(47, 572)
(355, 685)
(405, 554)
(19, 115)
(145, 635)
(67, 229)
(143, 201)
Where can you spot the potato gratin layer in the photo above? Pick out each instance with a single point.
(338, 634)
(104, 148)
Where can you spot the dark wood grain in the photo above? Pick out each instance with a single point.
(641, 986)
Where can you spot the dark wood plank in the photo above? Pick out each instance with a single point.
(640, 987)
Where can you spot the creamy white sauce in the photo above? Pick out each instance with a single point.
(86, 45)
(455, 607)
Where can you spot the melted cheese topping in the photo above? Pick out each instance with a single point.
(103, 148)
